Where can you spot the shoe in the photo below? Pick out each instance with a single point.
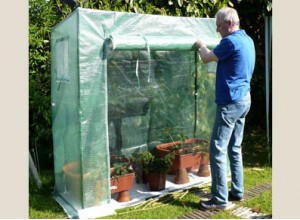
(210, 205)
(234, 198)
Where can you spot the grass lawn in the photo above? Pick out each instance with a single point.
(42, 205)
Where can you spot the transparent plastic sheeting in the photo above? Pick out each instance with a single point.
(122, 102)
(163, 43)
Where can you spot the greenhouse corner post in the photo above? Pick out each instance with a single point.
(106, 52)
(195, 92)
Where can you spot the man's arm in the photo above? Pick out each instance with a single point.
(206, 54)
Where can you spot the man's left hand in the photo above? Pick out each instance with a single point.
(199, 43)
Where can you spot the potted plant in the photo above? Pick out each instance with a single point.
(74, 181)
(137, 160)
(156, 169)
(187, 156)
(121, 178)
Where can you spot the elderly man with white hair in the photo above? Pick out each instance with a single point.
(235, 57)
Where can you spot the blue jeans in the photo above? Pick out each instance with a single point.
(227, 136)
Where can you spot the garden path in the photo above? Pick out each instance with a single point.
(241, 211)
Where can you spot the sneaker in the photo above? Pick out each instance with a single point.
(234, 198)
(210, 205)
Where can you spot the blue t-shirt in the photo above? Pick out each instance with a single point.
(236, 61)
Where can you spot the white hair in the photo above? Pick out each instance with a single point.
(227, 14)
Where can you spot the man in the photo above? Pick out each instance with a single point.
(235, 57)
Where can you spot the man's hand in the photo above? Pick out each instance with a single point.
(199, 43)
(206, 54)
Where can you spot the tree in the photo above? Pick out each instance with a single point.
(42, 17)
(252, 14)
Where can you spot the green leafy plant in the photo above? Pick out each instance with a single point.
(120, 169)
(170, 132)
(183, 147)
(120, 166)
(205, 148)
(141, 158)
(154, 164)
(182, 139)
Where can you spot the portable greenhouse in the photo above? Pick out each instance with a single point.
(118, 81)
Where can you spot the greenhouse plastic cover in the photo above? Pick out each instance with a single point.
(119, 81)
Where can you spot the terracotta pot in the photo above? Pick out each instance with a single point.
(157, 181)
(144, 177)
(73, 179)
(121, 185)
(182, 162)
(181, 176)
(124, 196)
(204, 167)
